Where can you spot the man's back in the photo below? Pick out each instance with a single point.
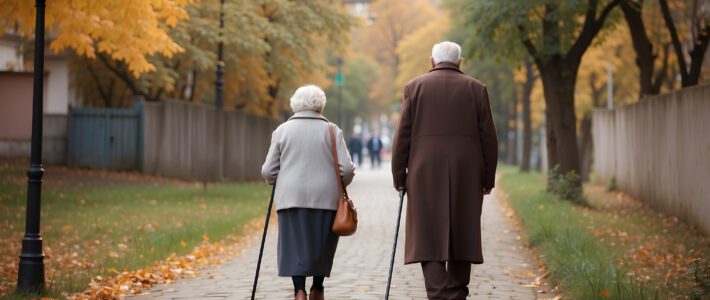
(445, 154)
(445, 102)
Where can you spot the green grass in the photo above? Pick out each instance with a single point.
(89, 230)
(585, 267)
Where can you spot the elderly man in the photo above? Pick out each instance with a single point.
(445, 155)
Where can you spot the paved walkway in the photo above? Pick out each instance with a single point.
(362, 261)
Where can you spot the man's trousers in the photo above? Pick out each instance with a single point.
(446, 280)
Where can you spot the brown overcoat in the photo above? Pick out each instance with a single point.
(445, 151)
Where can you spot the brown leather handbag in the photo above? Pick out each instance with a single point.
(346, 217)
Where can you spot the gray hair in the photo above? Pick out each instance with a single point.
(446, 52)
(308, 98)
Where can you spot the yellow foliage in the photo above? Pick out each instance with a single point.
(396, 19)
(128, 31)
(615, 51)
(414, 50)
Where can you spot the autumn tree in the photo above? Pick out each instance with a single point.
(650, 77)
(555, 35)
(270, 47)
(613, 53)
(125, 31)
(415, 49)
(395, 20)
(361, 75)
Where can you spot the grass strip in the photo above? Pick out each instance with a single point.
(584, 267)
(100, 229)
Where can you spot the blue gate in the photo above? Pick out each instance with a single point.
(106, 138)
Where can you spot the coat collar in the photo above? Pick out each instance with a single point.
(446, 65)
(308, 114)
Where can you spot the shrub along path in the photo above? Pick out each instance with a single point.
(362, 261)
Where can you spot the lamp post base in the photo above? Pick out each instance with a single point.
(31, 272)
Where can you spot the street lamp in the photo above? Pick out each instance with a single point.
(339, 82)
(219, 83)
(30, 277)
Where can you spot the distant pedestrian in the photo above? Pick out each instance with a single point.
(445, 155)
(300, 163)
(355, 147)
(374, 147)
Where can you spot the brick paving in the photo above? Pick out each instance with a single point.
(362, 261)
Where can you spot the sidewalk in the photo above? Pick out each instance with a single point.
(362, 261)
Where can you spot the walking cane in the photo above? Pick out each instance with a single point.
(394, 247)
(263, 239)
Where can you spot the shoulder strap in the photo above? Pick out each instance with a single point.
(341, 188)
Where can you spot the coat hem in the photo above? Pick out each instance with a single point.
(475, 262)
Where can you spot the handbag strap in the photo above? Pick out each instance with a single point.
(341, 188)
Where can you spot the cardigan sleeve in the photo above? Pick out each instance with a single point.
(272, 165)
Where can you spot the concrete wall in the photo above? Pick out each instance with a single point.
(54, 142)
(194, 141)
(659, 151)
(16, 121)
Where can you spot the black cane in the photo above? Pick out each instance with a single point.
(263, 239)
(394, 247)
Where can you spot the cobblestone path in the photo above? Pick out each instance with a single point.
(362, 261)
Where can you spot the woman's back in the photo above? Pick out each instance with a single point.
(303, 159)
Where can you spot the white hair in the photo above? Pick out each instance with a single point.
(446, 52)
(308, 97)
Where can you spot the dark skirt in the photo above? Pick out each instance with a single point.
(306, 245)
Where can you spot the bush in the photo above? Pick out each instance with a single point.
(567, 186)
(700, 275)
(612, 185)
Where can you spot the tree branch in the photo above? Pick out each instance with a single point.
(592, 26)
(700, 46)
(525, 39)
(122, 75)
(661, 74)
(100, 89)
(676, 40)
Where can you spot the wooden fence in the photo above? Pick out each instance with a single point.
(105, 138)
(197, 142)
(658, 150)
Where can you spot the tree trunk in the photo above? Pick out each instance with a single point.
(642, 45)
(527, 123)
(558, 81)
(586, 148)
(512, 131)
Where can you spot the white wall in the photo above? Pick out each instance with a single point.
(8, 56)
(59, 94)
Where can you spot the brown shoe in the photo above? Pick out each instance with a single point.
(301, 295)
(316, 295)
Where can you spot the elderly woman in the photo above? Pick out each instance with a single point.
(300, 163)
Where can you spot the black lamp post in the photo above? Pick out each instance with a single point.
(219, 83)
(30, 278)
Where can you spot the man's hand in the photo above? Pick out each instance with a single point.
(487, 190)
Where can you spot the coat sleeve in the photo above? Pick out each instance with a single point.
(489, 141)
(272, 165)
(347, 167)
(402, 140)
